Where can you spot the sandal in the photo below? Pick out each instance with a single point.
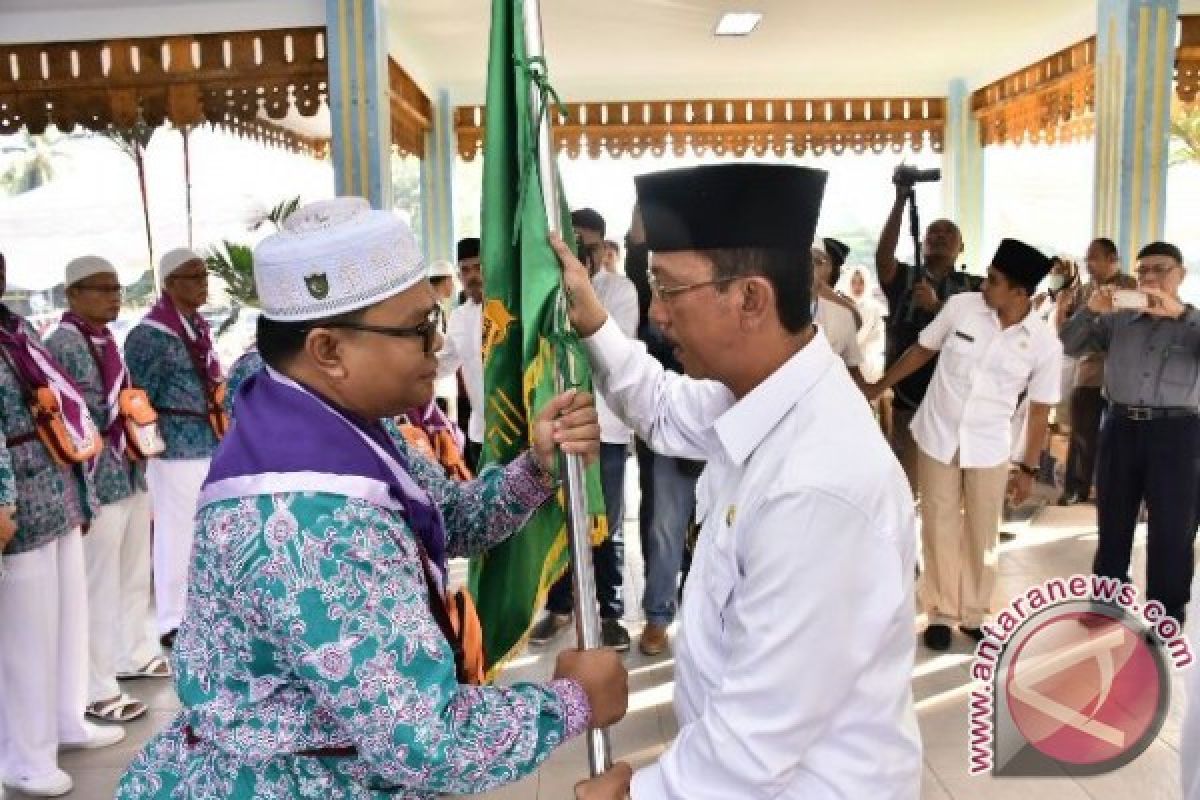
(122, 709)
(157, 667)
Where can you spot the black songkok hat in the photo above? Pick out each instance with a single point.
(468, 248)
(837, 252)
(718, 207)
(1161, 249)
(1023, 265)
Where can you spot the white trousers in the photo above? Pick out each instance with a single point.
(175, 488)
(116, 553)
(43, 656)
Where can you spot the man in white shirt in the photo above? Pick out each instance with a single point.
(619, 298)
(994, 352)
(463, 346)
(794, 660)
(836, 317)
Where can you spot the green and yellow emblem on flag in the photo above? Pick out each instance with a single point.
(526, 339)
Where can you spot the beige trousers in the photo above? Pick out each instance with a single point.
(960, 531)
(904, 446)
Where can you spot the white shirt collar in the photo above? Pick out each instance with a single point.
(743, 427)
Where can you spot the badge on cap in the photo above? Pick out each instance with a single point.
(317, 285)
(730, 516)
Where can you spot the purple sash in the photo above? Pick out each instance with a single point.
(37, 369)
(193, 333)
(289, 439)
(113, 375)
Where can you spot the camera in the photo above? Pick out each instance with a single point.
(908, 175)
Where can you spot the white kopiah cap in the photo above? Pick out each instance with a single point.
(87, 266)
(173, 260)
(442, 269)
(333, 257)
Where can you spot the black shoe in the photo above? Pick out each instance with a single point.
(975, 633)
(937, 637)
(613, 635)
(1070, 499)
(167, 640)
(550, 627)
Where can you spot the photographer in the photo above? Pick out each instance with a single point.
(1150, 439)
(915, 297)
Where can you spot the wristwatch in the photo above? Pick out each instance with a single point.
(1028, 470)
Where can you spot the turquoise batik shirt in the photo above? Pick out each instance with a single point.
(308, 628)
(159, 363)
(115, 476)
(51, 500)
(247, 364)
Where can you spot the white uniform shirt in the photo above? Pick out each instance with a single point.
(837, 324)
(981, 373)
(464, 348)
(618, 295)
(793, 668)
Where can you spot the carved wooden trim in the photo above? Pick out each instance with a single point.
(1187, 61)
(225, 78)
(1045, 102)
(733, 127)
(412, 112)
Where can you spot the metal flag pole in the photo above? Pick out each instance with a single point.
(587, 619)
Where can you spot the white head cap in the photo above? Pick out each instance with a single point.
(173, 260)
(85, 267)
(442, 269)
(333, 257)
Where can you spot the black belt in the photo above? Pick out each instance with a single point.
(1146, 413)
(182, 412)
(25, 438)
(192, 740)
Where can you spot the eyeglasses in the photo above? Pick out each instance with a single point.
(663, 293)
(427, 331)
(102, 289)
(1156, 271)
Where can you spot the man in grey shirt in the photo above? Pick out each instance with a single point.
(1150, 443)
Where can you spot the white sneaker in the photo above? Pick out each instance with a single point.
(54, 784)
(98, 736)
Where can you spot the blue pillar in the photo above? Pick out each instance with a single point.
(1135, 68)
(359, 99)
(437, 183)
(963, 173)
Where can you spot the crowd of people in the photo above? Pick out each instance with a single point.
(305, 505)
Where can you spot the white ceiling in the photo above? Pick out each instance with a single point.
(663, 49)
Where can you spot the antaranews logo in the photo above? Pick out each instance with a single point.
(1074, 673)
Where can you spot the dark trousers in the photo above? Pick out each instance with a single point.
(608, 559)
(472, 453)
(1087, 409)
(1156, 462)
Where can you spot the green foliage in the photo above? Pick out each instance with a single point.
(1185, 136)
(33, 162)
(234, 264)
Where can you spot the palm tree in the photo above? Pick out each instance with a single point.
(35, 163)
(234, 263)
(1185, 135)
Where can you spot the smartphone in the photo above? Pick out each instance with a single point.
(1130, 300)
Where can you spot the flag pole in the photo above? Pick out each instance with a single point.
(587, 619)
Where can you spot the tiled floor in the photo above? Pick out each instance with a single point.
(1057, 542)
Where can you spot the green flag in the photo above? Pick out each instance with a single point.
(525, 338)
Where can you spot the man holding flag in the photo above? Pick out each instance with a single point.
(794, 661)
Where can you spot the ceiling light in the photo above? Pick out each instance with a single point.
(738, 23)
